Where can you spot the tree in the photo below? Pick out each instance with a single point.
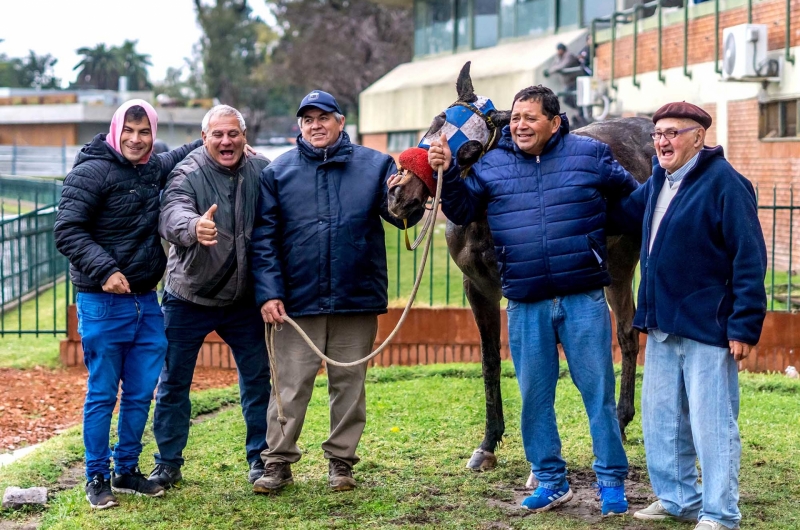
(99, 68)
(37, 71)
(133, 65)
(235, 48)
(340, 46)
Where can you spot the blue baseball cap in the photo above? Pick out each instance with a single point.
(321, 100)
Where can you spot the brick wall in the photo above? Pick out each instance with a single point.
(378, 141)
(54, 134)
(431, 336)
(768, 164)
(700, 43)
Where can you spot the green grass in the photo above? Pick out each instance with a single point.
(423, 424)
(28, 350)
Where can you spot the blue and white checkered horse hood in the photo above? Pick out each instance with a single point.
(462, 125)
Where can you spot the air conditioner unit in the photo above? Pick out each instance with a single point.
(745, 54)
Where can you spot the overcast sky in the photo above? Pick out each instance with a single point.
(165, 29)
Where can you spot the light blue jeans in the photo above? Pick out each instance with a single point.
(582, 324)
(690, 406)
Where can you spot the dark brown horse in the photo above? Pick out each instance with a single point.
(472, 250)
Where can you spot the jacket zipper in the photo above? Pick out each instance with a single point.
(541, 214)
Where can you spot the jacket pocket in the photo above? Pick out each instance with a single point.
(598, 252)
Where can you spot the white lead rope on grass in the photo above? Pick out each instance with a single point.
(270, 329)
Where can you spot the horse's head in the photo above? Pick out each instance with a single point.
(472, 126)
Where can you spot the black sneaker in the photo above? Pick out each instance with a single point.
(276, 476)
(256, 470)
(135, 483)
(166, 476)
(98, 493)
(340, 475)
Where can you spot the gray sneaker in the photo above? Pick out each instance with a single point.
(707, 524)
(657, 512)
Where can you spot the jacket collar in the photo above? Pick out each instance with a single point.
(704, 157)
(219, 167)
(339, 151)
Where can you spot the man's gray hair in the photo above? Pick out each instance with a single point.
(338, 117)
(223, 110)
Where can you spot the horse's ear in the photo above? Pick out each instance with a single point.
(464, 85)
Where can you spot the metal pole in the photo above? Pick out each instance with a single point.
(14, 158)
(63, 157)
(660, 44)
(19, 265)
(774, 215)
(686, 71)
(613, 46)
(430, 264)
(717, 67)
(791, 250)
(636, 10)
(749, 11)
(788, 52)
(397, 295)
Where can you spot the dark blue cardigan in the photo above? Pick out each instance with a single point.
(704, 278)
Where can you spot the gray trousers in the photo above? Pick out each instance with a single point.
(344, 338)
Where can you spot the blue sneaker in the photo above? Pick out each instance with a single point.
(612, 500)
(544, 499)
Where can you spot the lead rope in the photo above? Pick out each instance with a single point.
(270, 329)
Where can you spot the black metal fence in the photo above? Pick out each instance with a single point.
(34, 293)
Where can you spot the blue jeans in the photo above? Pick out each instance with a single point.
(581, 322)
(690, 406)
(187, 324)
(123, 340)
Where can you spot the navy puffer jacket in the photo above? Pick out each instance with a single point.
(318, 241)
(547, 213)
(107, 219)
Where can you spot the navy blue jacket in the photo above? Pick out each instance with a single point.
(546, 213)
(318, 241)
(107, 219)
(704, 279)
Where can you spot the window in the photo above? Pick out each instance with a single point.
(485, 23)
(597, 8)
(400, 141)
(463, 27)
(778, 119)
(507, 16)
(568, 13)
(534, 17)
(433, 28)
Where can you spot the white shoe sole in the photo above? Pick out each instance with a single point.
(134, 492)
(109, 504)
(555, 504)
(661, 517)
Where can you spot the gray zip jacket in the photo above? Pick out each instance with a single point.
(214, 275)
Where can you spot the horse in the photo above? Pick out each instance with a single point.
(472, 250)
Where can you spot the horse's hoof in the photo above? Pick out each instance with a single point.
(482, 461)
(531, 482)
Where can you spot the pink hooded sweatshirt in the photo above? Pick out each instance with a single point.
(115, 131)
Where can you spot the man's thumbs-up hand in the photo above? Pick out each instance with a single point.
(206, 228)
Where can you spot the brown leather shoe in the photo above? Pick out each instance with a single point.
(276, 476)
(340, 475)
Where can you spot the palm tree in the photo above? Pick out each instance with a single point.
(134, 65)
(99, 68)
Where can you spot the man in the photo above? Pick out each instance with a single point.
(107, 226)
(570, 67)
(543, 191)
(319, 256)
(207, 215)
(585, 56)
(702, 303)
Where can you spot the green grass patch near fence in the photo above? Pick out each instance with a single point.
(423, 424)
(28, 350)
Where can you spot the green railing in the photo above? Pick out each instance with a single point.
(32, 272)
(34, 296)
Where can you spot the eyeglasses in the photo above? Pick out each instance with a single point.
(671, 134)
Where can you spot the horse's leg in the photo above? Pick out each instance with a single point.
(487, 317)
(623, 256)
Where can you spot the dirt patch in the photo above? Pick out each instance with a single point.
(39, 403)
(584, 505)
